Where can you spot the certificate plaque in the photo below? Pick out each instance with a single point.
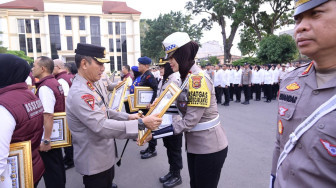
(117, 98)
(60, 134)
(130, 100)
(142, 96)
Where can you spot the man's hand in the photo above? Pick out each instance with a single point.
(148, 106)
(148, 138)
(133, 116)
(44, 147)
(152, 122)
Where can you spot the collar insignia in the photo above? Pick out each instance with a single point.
(90, 85)
(282, 110)
(330, 148)
(308, 69)
(280, 127)
(292, 87)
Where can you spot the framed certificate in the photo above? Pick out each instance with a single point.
(117, 98)
(142, 96)
(60, 135)
(19, 169)
(130, 100)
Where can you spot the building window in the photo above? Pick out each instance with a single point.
(112, 67)
(123, 28)
(30, 44)
(82, 39)
(28, 26)
(69, 43)
(81, 23)
(110, 28)
(111, 45)
(95, 30)
(118, 45)
(55, 38)
(22, 40)
(21, 26)
(68, 22)
(123, 44)
(37, 26)
(117, 28)
(38, 44)
(119, 62)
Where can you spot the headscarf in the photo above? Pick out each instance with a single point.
(13, 70)
(167, 72)
(185, 57)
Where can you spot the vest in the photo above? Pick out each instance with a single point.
(27, 111)
(57, 89)
(65, 76)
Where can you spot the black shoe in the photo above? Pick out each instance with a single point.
(268, 101)
(246, 102)
(165, 177)
(226, 104)
(237, 101)
(68, 166)
(231, 99)
(149, 154)
(144, 151)
(173, 181)
(257, 99)
(114, 185)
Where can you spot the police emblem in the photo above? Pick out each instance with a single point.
(292, 87)
(89, 100)
(280, 127)
(196, 82)
(329, 147)
(282, 110)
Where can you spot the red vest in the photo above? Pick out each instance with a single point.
(27, 111)
(64, 75)
(57, 89)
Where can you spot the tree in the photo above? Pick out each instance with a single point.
(250, 60)
(155, 31)
(248, 42)
(277, 49)
(20, 54)
(220, 11)
(213, 60)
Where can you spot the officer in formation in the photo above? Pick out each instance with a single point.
(92, 125)
(21, 114)
(305, 147)
(206, 142)
(218, 84)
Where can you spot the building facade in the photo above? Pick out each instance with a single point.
(54, 27)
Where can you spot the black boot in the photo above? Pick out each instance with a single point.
(165, 177)
(144, 151)
(173, 181)
(150, 153)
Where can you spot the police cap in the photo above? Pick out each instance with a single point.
(304, 5)
(145, 60)
(174, 41)
(96, 52)
(162, 61)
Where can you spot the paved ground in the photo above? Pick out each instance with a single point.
(251, 133)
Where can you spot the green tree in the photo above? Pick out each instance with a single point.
(155, 31)
(220, 11)
(248, 42)
(277, 49)
(250, 60)
(203, 62)
(20, 54)
(213, 60)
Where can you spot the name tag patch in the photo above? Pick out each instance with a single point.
(287, 98)
(33, 108)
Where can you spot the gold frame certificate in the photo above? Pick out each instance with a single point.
(130, 99)
(117, 99)
(142, 96)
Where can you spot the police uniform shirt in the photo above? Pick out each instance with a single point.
(64, 85)
(48, 99)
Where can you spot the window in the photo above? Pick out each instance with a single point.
(22, 40)
(117, 28)
(118, 45)
(68, 22)
(112, 67)
(82, 39)
(95, 30)
(119, 62)
(111, 45)
(69, 43)
(110, 28)
(28, 26)
(123, 28)
(123, 44)
(37, 26)
(81, 23)
(38, 44)
(21, 27)
(124, 58)
(55, 38)
(30, 44)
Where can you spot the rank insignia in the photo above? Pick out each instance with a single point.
(90, 85)
(280, 127)
(89, 100)
(282, 110)
(308, 69)
(196, 81)
(329, 147)
(292, 87)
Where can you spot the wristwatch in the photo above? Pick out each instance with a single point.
(46, 142)
(141, 125)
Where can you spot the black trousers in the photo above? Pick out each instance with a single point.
(219, 93)
(54, 174)
(152, 144)
(174, 152)
(68, 157)
(257, 91)
(205, 169)
(268, 91)
(226, 95)
(100, 180)
(231, 90)
(275, 89)
(237, 90)
(247, 92)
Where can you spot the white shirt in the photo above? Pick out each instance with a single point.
(224, 79)
(48, 99)
(257, 77)
(217, 79)
(237, 77)
(268, 77)
(275, 76)
(65, 86)
(29, 81)
(231, 76)
(7, 127)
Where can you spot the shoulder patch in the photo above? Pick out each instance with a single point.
(89, 100)
(293, 86)
(331, 149)
(147, 77)
(196, 81)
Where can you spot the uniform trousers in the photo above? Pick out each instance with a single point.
(231, 89)
(275, 89)
(54, 174)
(247, 92)
(101, 180)
(68, 157)
(219, 93)
(174, 152)
(237, 90)
(257, 91)
(205, 169)
(226, 95)
(268, 91)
